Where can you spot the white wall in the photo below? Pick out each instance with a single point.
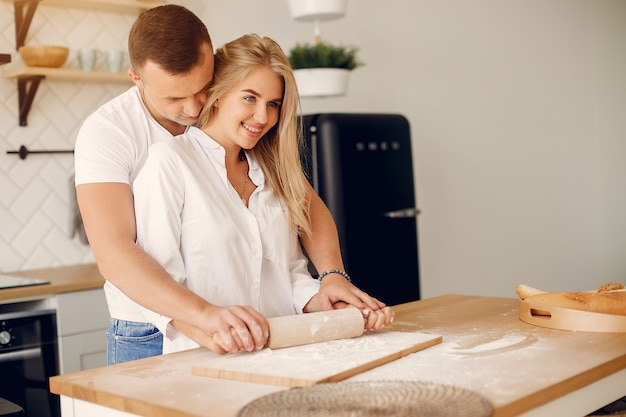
(517, 114)
(517, 121)
(35, 193)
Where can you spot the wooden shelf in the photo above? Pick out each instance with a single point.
(24, 10)
(121, 6)
(29, 78)
(65, 74)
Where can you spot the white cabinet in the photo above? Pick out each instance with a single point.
(82, 320)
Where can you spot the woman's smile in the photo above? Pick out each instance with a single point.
(251, 128)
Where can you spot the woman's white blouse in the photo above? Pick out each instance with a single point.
(192, 221)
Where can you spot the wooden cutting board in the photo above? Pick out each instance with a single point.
(561, 318)
(306, 365)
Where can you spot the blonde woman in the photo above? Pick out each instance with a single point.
(221, 207)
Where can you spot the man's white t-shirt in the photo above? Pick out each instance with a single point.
(112, 146)
(192, 221)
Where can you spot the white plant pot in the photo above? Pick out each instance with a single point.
(310, 10)
(322, 82)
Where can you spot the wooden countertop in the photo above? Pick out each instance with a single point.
(485, 348)
(62, 279)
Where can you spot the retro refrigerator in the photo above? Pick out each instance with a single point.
(361, 166)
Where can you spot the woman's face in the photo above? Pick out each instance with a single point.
(247, 111)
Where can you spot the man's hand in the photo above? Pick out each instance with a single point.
(229, 329)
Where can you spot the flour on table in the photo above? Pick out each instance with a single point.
(319, 360)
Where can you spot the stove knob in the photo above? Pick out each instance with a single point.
(5, 337)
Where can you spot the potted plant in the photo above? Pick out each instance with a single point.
(322, 69)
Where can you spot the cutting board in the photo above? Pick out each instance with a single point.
(562, 318)
(306, 365)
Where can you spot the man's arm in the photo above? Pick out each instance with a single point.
(108, 214)
(109, 218)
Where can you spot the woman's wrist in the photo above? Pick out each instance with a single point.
(341, 272)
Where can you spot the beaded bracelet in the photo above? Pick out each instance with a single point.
(334, 271)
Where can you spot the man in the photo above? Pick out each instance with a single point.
(171, 58)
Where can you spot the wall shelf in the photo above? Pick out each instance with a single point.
(29, 78)
(25, 10)
(66, 74)
(121, 6)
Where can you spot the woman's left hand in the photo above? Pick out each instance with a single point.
(337, 292)
(336, 288)
(377, 319)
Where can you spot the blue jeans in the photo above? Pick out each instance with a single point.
(131, 340)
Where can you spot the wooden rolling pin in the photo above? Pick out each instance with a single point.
(308, 328)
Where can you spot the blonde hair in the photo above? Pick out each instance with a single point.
(278, 152)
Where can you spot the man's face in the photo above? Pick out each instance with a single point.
(175, 101)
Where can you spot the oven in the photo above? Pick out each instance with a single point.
(28, 358)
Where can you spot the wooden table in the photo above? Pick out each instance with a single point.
(520, 368)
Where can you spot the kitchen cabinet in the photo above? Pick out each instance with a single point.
(76, 293)
(82, 320)
(29, 78)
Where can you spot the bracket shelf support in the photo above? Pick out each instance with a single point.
(24, 12)
(26, 90)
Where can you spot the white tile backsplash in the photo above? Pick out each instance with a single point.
(9, 258)
(35, 197)
(33, 230)
(9, 192)
(9, 224)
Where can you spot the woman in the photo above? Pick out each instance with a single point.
(221, 206)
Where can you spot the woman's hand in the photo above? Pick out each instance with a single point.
(337, 292)
(374, 319)
(377, 319)
(335, 288)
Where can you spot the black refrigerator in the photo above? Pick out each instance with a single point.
(361, 166)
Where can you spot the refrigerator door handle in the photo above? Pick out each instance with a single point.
(402, 213)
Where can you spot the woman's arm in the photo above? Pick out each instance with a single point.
(322, 248)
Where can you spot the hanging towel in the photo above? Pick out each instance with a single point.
(76, 220)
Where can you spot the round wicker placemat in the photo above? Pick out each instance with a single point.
(371, 399)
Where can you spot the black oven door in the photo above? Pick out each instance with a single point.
(28, 358)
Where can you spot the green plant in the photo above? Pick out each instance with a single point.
(324, 55)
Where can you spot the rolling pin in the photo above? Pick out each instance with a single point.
(302, 329)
